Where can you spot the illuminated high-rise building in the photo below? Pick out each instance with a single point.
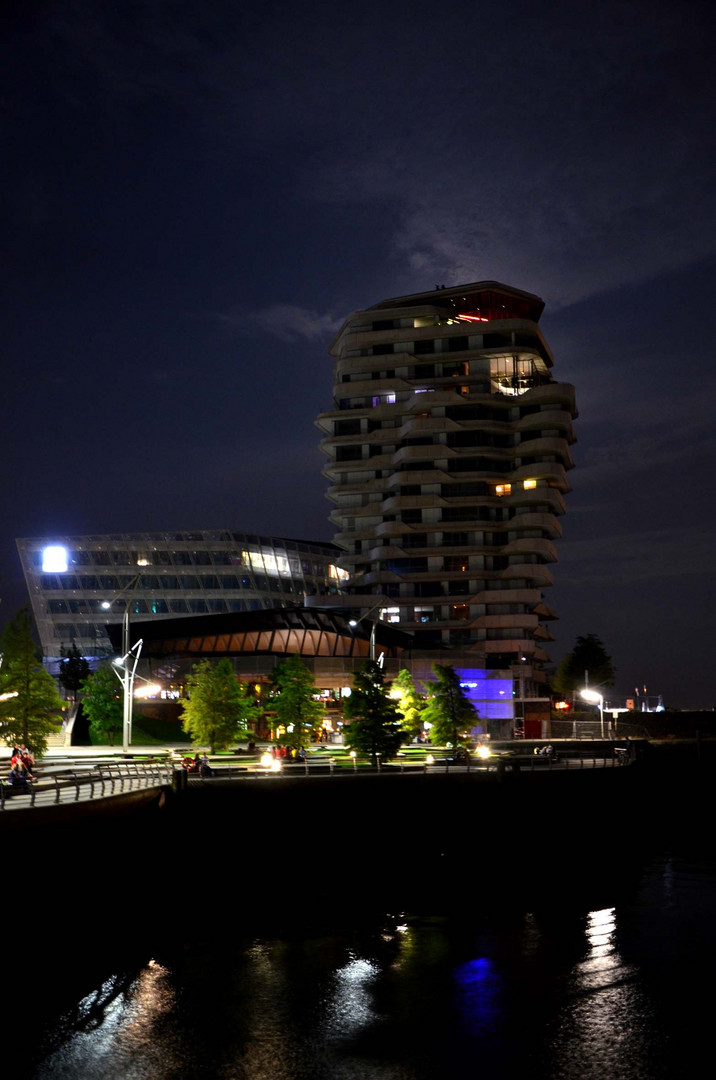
(448, 448)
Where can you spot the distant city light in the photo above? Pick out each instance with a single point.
(54, 559)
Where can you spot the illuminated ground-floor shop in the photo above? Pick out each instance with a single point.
(334, 645)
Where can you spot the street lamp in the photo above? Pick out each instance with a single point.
(596, 699)
(125, 667)
(356, 622)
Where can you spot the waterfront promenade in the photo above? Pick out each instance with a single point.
(71, 775)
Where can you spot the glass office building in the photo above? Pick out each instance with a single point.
(79, 584)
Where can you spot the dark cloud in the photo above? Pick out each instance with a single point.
(198, 195)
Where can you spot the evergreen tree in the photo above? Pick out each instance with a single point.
(103, 705)
(449, 711)
(374, 727)
(410, 703)
(74, 669)
(27, 716)
(219, 708)
(297, 711)
(588, 655)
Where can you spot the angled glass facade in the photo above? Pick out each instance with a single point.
(79, 584)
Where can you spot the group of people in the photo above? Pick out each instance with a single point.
(21, 765)
(199, 764)
(288, 753)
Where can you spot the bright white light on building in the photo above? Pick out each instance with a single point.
(54, 560)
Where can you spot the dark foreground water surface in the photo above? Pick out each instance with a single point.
(610, 979)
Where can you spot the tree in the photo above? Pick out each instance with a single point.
(588, 655)
(297, 710)
(74, 669)
(103, 705)
(449, 711)
(219, 708)
(410, 703)
(32, 701)
(374, 727)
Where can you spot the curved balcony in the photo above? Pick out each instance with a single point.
(542, 470)
(558, 394)
(547, 418)
(536, 573)
(529, 597)
(547, 522)
(425, 425)
(548, 445)
(416, 476)
(531, 545)
(526, 622)
(432, 452)
(536, 496)
(392, 528)
(519, 645)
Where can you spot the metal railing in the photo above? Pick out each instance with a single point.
(71, 785)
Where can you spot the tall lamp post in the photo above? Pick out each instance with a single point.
(596, 699)
(125, 666)
(357, 622)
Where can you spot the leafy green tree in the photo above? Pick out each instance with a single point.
(374, 717)
(297, 710)
(410, 703)
(74, 669)
(449, 711)
(33, 701)
(219, 708)
(588, 655)
(103, 705)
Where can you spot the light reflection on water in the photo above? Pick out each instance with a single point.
(558, 993)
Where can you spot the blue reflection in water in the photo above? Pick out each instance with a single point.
(477, 994)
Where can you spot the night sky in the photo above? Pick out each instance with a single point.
(195, 196)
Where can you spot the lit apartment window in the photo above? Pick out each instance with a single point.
(503, 489)
(529, 484)
(390, 614)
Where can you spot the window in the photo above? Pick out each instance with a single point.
(347, 427)
(348, 453)
(503, 489)
(455, 369)
(456, 562)
(528, 485)
(456, 539)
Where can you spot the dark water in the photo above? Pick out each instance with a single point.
(611, 978)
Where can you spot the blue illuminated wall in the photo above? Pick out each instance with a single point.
(492, 697)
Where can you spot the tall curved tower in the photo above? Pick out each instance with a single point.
(448, 448)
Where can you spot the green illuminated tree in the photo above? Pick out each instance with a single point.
(374, 727)
(102, 704)
(297, 711)
(588, 655)
(449, 711)
(410, 703)
(32, 701)
(219, 708)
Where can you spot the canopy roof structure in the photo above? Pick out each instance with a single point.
(281, 632)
